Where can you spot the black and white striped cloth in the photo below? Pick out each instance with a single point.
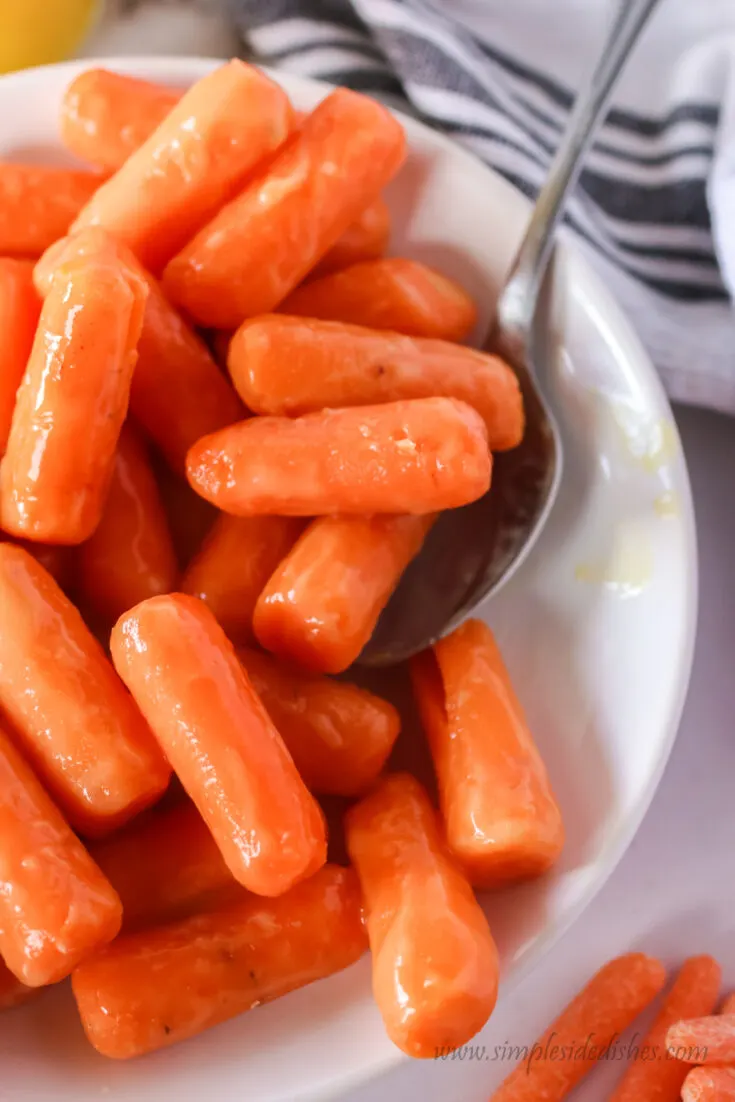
(655, 207)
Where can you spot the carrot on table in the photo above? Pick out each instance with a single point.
(435, 964)
(106, 116)
(501, 819)
(572, 1045)
(20, 307)
(366, 239)
(709, 1085)
(192, 163)
(187, 681)
(55, 905)
(705, 1040)
(158, 987)
(165, 867)
(77, 724)
(693, 993)
(291, 366)
(415, 457)
(38, 203)
(230, 570)
(321, 605)
(260, 246)
(178, 394)
(391, 293)
(338, 735)
(130, 555)
(72, 403)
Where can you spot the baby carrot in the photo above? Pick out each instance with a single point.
(322, 603)
(177, 394)
(366, 239)
(192, 163)
(12, 991)
(79, 727)
(165, 866)
(435, 965)
(389, 293)
(501, 818)
(38, 203)
(287, 365)
(106, 116)
(728, 1006)
(338, 735)
(130, 555)
(55, 904)
(403, 457)
(705, 1040)
(158, 987)
(20, 307)
(584, 1030)
(233, 565)
(693, 992)
(56, 560)
(72, 403)
(260, 246)
(185, 676)
(709, 1085)
(190, 517)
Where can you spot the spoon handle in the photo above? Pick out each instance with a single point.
(517, 302)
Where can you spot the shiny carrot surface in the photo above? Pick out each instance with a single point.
(366, 239)
(288, 365)
(260, 246)
(389, 293)
(38, 203)
(159, 987)
(106, 116)
(83, 734)
(501, 818)
(190, 517)
(338, 735)
(435, 964)
(234, 564)
(185, 676)
(192, 162)
(55, 905)
(20, 307)
(403, 457)
(72, 403)
(321, 605)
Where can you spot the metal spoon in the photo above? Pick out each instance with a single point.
(472, 552)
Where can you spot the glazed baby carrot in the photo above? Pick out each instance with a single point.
(20, 307)
(184, 675)
(403, 457)
(130, 555)
(693, 992)
(190, 517)
(705, 1040)
(322, 603)
(389, 293)
(177, 394)
(78, 726)
(584, 1030)
(435, 965)
(501, 818)
(165, 866)
(158, 987)
(56, 906)
(709, 1085)
(288, 365)
(12, 991)
(193, 162)
(366, 239)
(72, 403)
(38, 203)
(58, 561)
(106, 116)
(338, 735)
(233, 565)
(260, 246)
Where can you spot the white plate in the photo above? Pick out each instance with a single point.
(597, 627)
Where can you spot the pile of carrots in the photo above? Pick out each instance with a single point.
(227, 424)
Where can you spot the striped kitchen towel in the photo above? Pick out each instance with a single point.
(655, 206)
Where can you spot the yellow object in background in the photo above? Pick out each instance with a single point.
(35, 32)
